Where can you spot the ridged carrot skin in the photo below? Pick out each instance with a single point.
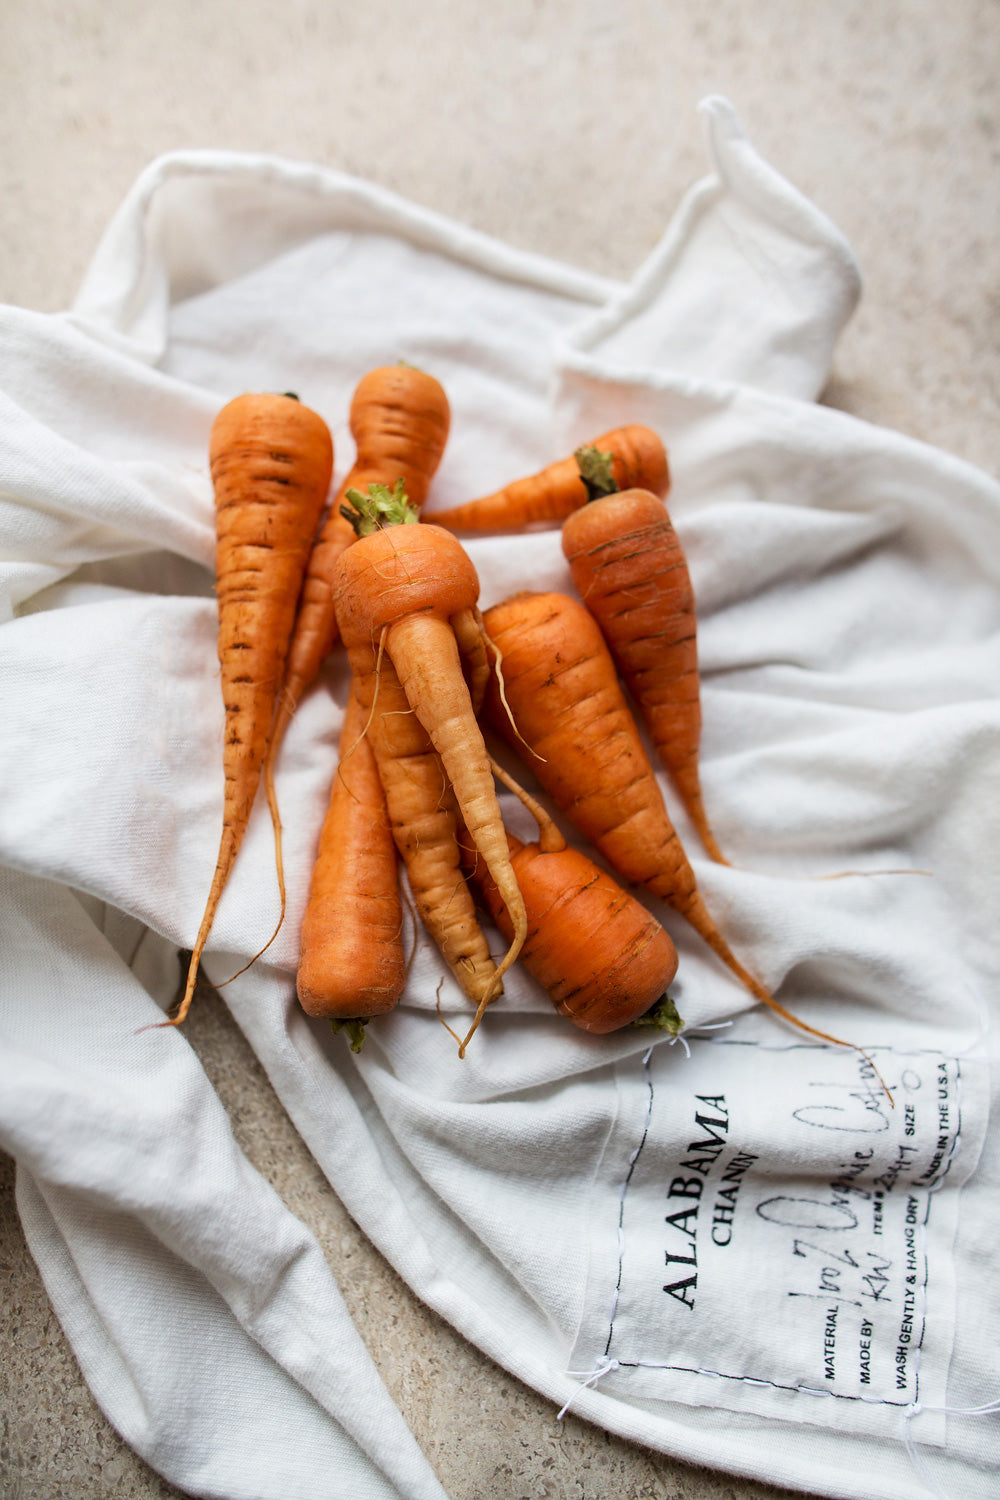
(352, 963)
(639, 461)
(575, 729)
(583, 743)
(396, 592)
(424, 821)
(399, 419)
(601, 956)
(271, 462)
(630, 571)
(585, 749)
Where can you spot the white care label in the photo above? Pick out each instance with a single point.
(774, 1236)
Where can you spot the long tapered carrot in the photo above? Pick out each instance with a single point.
(640, 459)
(399, 419)
(630, 571)
(570, 712)
(271, 462)
(601, 956)
(352, 963)
(397, 590)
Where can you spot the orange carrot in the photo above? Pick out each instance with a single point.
(352, 964)
(556, 491)
(271, 461)
(602, 957)
(399, 418)
(397, 590)
(424, 820)
(630, 571)
(569, 709)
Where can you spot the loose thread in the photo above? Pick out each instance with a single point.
(913, 1452)
(633, 1158)
(695, 1031)
(604, 1366)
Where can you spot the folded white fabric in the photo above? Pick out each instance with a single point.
(733, 1249)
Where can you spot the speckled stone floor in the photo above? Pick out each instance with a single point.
(568, 128)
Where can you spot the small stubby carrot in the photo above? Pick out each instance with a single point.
(571, 716)
(397, 591)
(603, 959)
(271, 460)
(630, 570)
(399, 419)
(353, 964)
(552, 494)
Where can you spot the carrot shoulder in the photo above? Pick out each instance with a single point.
(630, 571)
(352, 963)
(557, 490)
(271, 461)
(397, 590)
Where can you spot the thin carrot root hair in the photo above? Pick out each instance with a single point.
(470, 633)
(502, 691)
(550, 840)
(490, 995)
(279, 870)
(495, 989)
(260, 952)
(284, 712)
(440, 1015)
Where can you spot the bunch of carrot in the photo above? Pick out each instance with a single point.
(415, 780)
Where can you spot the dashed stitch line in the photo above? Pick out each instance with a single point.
(606, 1365)
(756, 1380)
(647, 1070)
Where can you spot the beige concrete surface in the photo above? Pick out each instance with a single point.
(570, 129)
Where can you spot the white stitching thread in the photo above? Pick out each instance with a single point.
(604, 1364)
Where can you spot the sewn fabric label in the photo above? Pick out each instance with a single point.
(774, 1236)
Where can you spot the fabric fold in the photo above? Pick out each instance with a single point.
(709, 1232)
(170, 1263)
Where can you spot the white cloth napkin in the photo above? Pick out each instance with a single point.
(729, 1249)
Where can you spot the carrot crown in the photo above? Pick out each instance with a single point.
(596, 472)
(662, 1016)
(381, 507)
(353, 1030)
